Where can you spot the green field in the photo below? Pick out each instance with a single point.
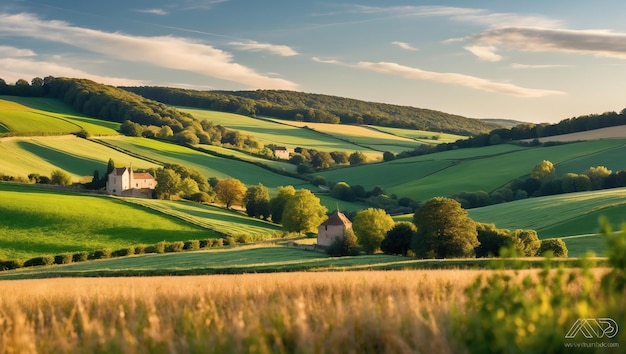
(280, 165)
(268, 132)
(450, 172)
(421, 136)
(20, 156)
(361, 135)
(208, 165)
(47, 116)
(38, 221)
(246, 259)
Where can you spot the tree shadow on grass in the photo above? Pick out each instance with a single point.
(74, 164)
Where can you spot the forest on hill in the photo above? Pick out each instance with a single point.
(300, 106)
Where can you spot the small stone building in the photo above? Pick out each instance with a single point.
(335, 226)
(281, 152)
(124, 182)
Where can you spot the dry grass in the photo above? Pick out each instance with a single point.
(351, 312)
(303, 312)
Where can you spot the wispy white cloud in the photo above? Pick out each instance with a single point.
(8, 51)
(327, 61)
(485, 53)
(254, 46)
(540, 66)
(160, 12)
(201, 4)
(531, 39)
(463, 14)
(404, 45)
(446, 78)
(162, 51)
(455, 79)
(13, 69)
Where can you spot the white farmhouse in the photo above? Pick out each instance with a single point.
(335, 226)
(124, 182)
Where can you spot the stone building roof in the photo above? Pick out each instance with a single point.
(337, 218)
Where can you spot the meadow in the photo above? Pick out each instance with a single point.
(21, 156)
(474, 169)
(360, 135)
(361, 312)
(37, 221)
(269, 132)
(47, 116)
(421, 136)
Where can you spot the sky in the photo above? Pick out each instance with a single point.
(533, 61)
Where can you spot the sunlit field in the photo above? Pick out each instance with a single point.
(359, 312)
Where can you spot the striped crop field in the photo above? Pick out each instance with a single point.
(270, 132)
(361, 135)
(47, 116)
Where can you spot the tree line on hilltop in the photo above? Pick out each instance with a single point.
(307, 107)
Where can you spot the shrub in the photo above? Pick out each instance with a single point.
(217, 242)
(174, 246)
(243, 238)
(201, 197)
(206, 243)
(159, 247)
(65, 258)
(229, 241)
(102, 254)
(554, 245)
(140, 249)
(123, 252)
(8, 265)
(80, 256)
(192, 245)
(39, 261)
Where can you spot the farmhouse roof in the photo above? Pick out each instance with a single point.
(337, 218)
(142, 175)
(119, 171)
(280, 148)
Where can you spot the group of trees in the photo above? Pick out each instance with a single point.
(308, 107)
(442, 229)
(139, 116)
(309, 160)
(543, 181)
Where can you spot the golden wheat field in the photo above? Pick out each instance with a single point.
(330, 312)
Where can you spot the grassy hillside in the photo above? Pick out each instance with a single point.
(208, 165)
(488, 168)
(38, 221)
(421, 136)
(361, 135)
(47, 116)
(20, 156)
(269, 132)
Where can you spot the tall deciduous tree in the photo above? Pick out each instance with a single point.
(277, 204)
(543, 171)
(357, 158)
(398, 239)
(168, 183)
(303, 212)
(371, 226)
(230, 191)
(257, 201)
(444, 230)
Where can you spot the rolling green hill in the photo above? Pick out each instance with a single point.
(37, 221)
(47, 116)
(473, 169)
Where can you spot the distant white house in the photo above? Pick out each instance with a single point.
(334, 227)
(281, 152)
(124, 182)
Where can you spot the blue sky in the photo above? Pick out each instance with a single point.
(535, 61)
